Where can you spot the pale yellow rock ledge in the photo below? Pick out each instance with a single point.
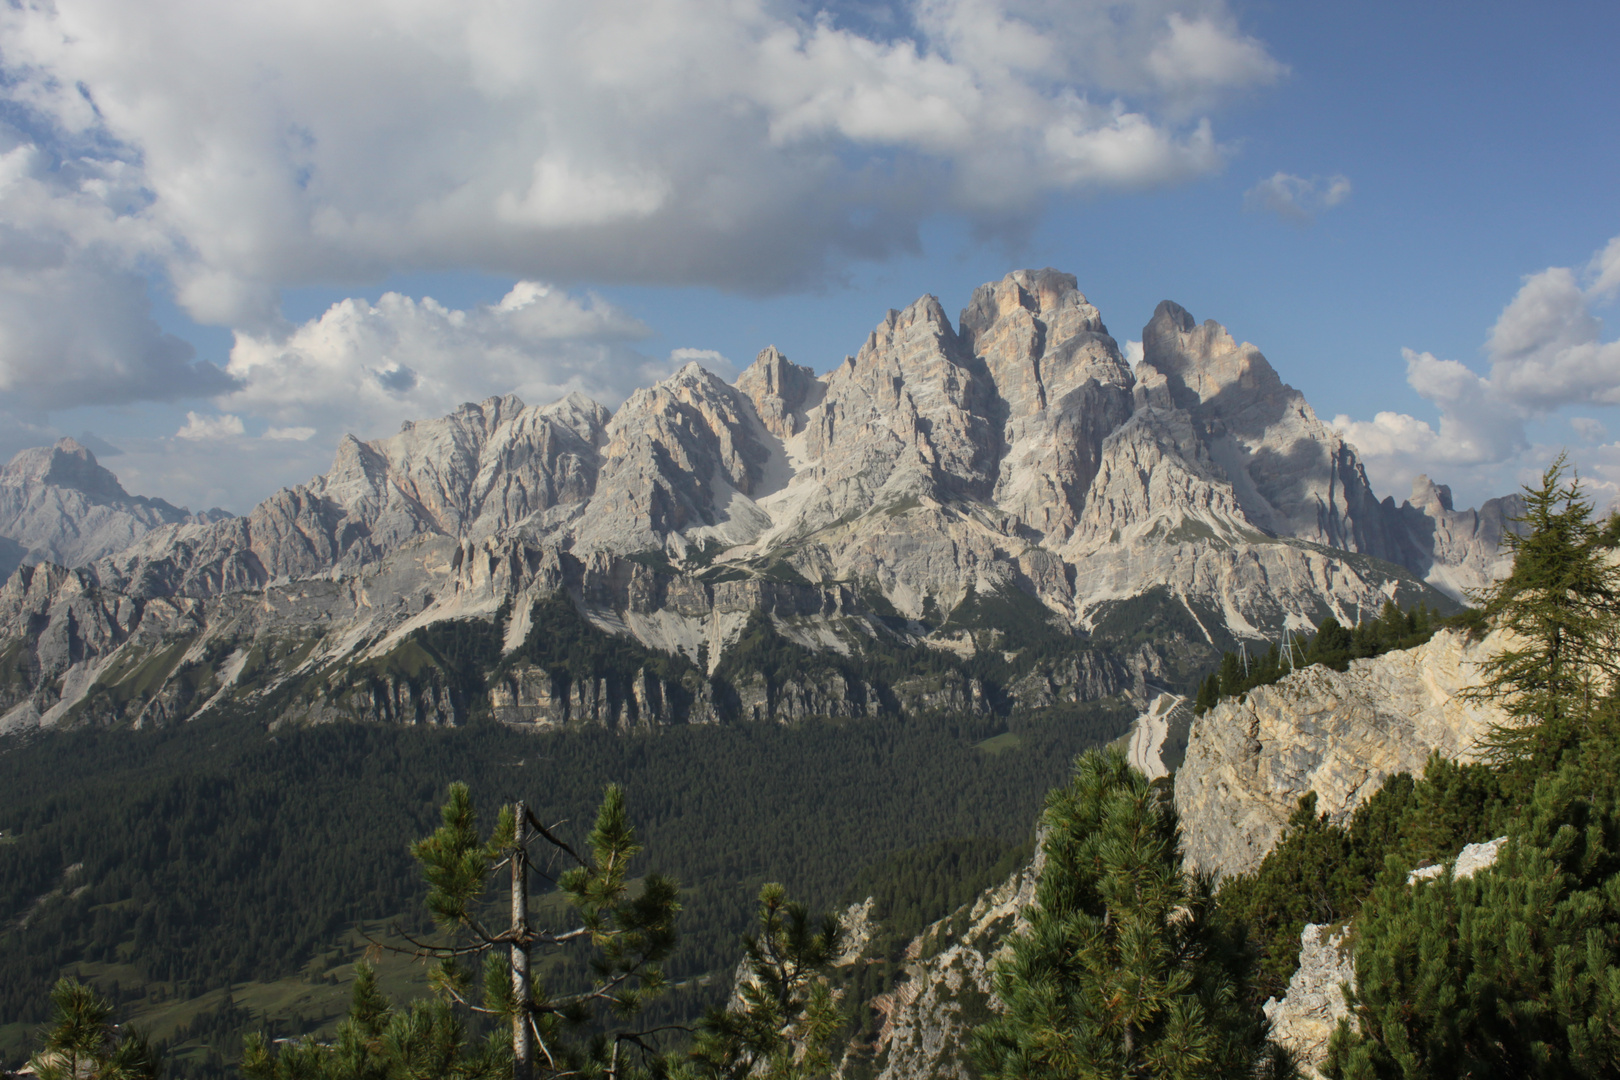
(1338, 734)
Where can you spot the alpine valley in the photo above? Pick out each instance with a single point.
(994, 516)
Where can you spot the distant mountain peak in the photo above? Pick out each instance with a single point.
(67, 464)
(58, 504)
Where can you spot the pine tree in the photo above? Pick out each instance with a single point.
(1209, 694)
(1233, 675)
(1331, 646)
(82, 1043)
(1125, 970)
(783, 1015)
(630, 933)
(1310, 876)
(1562, 600)
(1514, 972)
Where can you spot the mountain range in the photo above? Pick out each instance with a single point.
(996, 514)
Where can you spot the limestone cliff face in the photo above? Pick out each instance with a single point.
(679, 466)
(1304, 1021)
(1456, 551)
(945, 471)
(1225, 487)
(948, 987)
(1061, 388)
(476, 473)
(1340, 735)
(781, 391)
(1292, 475)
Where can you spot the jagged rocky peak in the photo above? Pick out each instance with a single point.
(66, 464)
(781, 391)
(1201, 363)
(1016, 455)
(1061, 387)
(581, 415)
(1456, 550)
(681, 462)
(908, 403)
(1339, 734)
(58, 504)
(1429, 496)
(1039, 337)
(483, 468)
(1156, 482)
(1293, 475)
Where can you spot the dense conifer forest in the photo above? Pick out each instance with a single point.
(1333, 645)
(178, 862)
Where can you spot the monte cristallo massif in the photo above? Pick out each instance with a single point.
(1002, 499)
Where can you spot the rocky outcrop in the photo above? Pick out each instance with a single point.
(1061, 387)
(1309, 1013)
(1292, 475)
(1456, 551)
(1081, 676)
(392, 698)
(1339, 734)
(58, 505)
(1469, 861)
(527, 696)
(948, 692)
(948, 987)
(827, 695)
(483, 470)
(680, 463)
(782, 392)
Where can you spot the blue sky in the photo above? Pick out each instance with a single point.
(1402, 205)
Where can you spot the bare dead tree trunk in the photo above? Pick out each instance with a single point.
(522, 1041)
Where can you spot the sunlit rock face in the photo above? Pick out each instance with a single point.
(1293, 476)
(1061, 388)
(1339, 734)
(1003, 485)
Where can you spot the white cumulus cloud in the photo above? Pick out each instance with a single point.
(289, 434)
(1204, 56)
(1547, 347)
(198, 428)
(369, 367)
(1589, 429)
(750, 144)
(1546, 352)
(76, 326)
(1296, 199)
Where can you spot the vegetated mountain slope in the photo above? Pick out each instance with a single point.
(943, 491)
(170, 864)
(58, 505)
(1341, 735)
